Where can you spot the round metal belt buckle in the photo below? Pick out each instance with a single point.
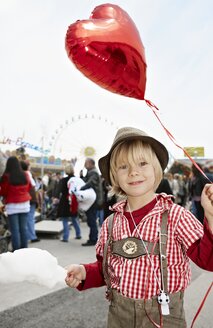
(130, 247)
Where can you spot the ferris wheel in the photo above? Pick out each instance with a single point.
(81, 136)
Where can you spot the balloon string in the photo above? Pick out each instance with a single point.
(172, 138)
(201, 305)
(150, 104)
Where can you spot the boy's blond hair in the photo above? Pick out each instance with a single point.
(132, 152)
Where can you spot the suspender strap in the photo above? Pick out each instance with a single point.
(105, 258)
(163, 235)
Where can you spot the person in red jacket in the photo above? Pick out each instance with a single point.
(14, 188)
(144, 248)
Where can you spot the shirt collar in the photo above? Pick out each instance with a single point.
(164, 203)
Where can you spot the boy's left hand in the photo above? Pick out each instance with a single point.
(207, 203)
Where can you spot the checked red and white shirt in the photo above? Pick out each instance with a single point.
(135, 278)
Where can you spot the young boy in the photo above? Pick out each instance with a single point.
(144, 248)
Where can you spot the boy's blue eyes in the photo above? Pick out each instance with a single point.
(126, 166)
(142, 163)
(122, 167)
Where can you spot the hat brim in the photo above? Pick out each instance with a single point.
(159, 149)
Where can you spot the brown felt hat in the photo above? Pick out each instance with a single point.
(127, 134)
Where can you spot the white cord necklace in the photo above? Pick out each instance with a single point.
(163, 298)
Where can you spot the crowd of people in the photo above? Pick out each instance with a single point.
(187, 190)
(25, 194)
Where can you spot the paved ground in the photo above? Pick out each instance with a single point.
(65, 308)
(26, 305)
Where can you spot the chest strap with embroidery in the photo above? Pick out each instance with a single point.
(132, 248)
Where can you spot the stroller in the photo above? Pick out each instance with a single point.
(5, 235)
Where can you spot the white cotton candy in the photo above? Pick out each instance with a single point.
(33, 265)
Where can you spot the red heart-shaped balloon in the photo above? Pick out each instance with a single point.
(108, 50)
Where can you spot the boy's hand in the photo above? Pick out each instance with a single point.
(75, 274)
(207, 203)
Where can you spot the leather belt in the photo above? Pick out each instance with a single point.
(133, 247)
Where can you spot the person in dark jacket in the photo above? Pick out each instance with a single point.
(164, 186)
(197, 183)
(63, 211)
(92, 180)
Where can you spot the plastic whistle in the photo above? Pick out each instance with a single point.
(163, 300)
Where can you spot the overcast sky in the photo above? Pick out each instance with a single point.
(42, 92)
